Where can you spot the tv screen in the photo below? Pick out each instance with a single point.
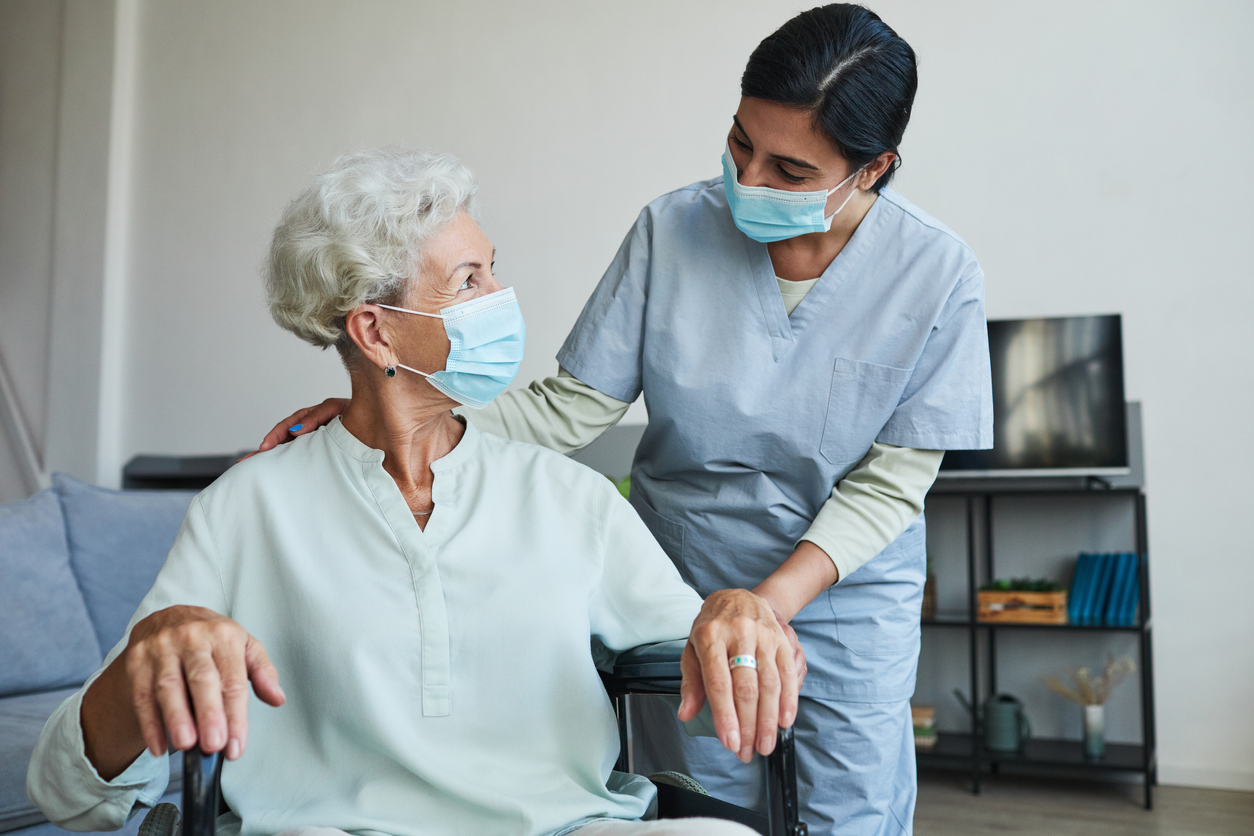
(1057, 400)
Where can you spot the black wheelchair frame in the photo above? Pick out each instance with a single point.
(648, 670)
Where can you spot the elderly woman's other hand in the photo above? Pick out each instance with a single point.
(749, 705)
(142, 697)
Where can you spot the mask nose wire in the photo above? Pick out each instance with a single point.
(419, 313)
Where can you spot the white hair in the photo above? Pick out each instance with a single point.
(356, 234)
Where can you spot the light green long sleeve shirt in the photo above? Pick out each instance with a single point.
(867, 510)
(439, 681)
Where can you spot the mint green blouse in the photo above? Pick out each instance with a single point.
(439, 681)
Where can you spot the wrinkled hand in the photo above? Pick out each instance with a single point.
(310, 418)
(182, 651)
(748, 706)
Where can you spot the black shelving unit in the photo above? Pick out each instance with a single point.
(966, 751)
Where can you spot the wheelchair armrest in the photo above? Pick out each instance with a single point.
(650, 662)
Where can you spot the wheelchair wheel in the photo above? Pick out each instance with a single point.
(677, 779)
(162, 820)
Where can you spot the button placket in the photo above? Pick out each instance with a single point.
(419, 552)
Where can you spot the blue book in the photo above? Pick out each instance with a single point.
(1118, 590)
(1086, 588)
(1096, 603)
(1127, 607)
(1086, 566)
(1079, 580)
(1106, 614)
(1092, 567)
(1133, 599)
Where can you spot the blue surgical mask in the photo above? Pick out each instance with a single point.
(766, 214)
(486, 338)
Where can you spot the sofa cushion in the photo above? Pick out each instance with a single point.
(118, 542)
(21, 720)
(49, 641)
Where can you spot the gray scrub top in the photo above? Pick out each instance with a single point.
(755, 415)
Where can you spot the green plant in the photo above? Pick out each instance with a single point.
(1022, 585)
(623, 485)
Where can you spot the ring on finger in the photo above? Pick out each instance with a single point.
(743, 661)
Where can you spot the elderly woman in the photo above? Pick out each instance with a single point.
(431, 596)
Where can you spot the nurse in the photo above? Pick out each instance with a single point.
(808, 343)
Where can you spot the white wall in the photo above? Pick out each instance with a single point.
(63, 133)
(1094, 154)
(30, 40)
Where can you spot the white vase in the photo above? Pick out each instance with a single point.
(1094, 731)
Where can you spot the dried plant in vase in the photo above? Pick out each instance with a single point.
(1092, 692)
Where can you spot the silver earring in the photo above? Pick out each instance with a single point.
(390, 371)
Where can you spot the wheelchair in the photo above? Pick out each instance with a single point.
(643, 671)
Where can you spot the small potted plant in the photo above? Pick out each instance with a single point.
(1023, 600)
(1091, 692)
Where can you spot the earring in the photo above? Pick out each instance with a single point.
(390, 371)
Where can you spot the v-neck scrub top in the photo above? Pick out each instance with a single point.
(754, 415)
(438, 681)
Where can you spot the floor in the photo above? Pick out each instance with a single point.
(1032, 806)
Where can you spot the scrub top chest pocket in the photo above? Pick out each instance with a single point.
(862, 399)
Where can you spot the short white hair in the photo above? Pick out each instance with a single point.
(356, 234)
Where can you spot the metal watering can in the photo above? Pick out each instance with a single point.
(1006, 726)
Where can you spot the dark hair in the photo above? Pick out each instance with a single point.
(845, 66)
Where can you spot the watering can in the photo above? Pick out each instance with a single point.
(1006, 726)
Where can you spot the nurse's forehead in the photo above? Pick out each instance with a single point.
(785, 132)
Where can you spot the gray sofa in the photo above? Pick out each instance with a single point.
(75, 560)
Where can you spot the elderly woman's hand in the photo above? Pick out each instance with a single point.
(141, 698)
(749, 705)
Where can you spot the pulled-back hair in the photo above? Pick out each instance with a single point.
(849, 70)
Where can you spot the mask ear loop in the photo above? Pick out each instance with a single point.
(838, 185)
(441, 316)
(419, 313)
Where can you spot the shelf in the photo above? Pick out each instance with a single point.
(1092, 628)
(948, 619)
(954, 620)
(1040, 487)
(1119, 757)
(1044, 755)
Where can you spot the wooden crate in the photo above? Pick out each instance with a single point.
(1023, 607)
(929, 598)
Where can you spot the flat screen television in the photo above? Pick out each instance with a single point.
(1057, 401)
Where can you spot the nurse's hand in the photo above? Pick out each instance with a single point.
(749, 706)
(798, 652)
(300, 422)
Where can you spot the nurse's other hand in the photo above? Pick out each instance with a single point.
(798, 652)
(749, 706)
(308, 419)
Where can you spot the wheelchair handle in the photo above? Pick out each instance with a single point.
(202, 776)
